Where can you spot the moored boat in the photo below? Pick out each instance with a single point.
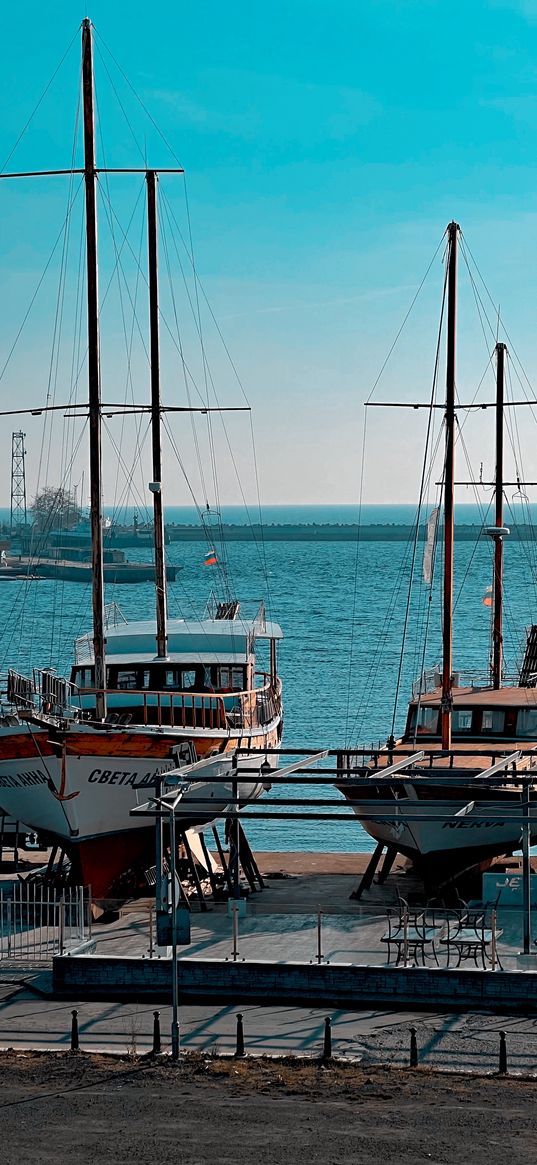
(456, 789)
(143, 698)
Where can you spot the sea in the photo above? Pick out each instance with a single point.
(345, 608)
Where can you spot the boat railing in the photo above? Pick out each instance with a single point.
(43, 691)
(83, 649)
(235, 710)
(431, 681)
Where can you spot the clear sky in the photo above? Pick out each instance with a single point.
(326, 147)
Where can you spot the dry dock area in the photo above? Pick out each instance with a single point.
(305, 940)
(277, 935)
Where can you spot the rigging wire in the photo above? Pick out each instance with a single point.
(40, 100)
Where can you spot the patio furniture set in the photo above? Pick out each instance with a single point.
(467, 933)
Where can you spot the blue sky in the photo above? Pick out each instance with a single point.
(326, 147)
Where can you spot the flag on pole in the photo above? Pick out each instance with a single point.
(487, 597)
(211, 558)
(432, 522)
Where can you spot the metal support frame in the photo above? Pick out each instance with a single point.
(18, 484)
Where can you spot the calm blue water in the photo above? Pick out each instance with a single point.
(342, 611)
(333, 514)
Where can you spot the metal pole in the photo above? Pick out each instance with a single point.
(158, 519)
(319, 936)
(405, 938)
(236, 870)
(497, 632)
(173, 896)
(526, 867)
(94, 378)
(449, 489)
(235, 930)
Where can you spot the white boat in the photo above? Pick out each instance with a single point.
(449, 793)
(142, 698)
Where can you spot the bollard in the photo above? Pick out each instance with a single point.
(327, 1046)
(413, 1048)
(156, 1033)
(502, 1065)
(74, 1031)
(239, 1050)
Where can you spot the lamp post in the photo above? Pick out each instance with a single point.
(175, 985)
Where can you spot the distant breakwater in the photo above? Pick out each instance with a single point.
(328, 532)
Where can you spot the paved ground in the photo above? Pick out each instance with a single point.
(281, 924)
(461, 1042)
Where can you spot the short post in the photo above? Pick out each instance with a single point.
(413, 1048)
(151, 941)
(319, 937)
(62, 924)
(493, 951)
(502, 1064)
(405, 938)
(156, 1033)
(74, 1031)
(239, 1050)
(235, 924)
(327, 1044)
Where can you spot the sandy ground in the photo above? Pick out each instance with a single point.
(80, 1108)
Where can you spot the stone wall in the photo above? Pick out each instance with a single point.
(330, 985)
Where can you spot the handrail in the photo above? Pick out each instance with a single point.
(234, 709)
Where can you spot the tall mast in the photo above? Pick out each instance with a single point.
(497, 598)
(94, 381)
(449, 490)
(158, 517)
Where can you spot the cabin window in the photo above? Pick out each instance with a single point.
(527, 722)
(188, 680)
(146, 677)
(462, 720)
(493, 720)
(224, 677)
(171, 678)
(127, 680)
(207, 678)
(237, 679)
(425, 720)
(84, 677)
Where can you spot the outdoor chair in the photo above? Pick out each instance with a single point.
(472, 934)
(410, 934)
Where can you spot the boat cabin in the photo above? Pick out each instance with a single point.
(208, 679)
(479, 715)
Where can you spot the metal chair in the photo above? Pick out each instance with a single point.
(470, 935)
(409, 931)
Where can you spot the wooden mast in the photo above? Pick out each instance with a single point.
(158, 516)
(94, 383)
(497, 598)
(449, 490)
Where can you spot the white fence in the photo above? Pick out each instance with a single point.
(37, 923)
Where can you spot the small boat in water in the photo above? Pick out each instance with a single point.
(146, 697)
(455, 790)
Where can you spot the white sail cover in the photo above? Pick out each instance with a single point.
(432, 523)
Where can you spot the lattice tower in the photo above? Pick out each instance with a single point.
(18, 483)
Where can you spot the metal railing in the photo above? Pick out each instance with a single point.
(53, 695)
(37, 923)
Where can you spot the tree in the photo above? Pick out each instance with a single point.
(55, 508)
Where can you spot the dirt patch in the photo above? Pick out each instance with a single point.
(79, 1108)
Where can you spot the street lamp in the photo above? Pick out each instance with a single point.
(169, 806)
